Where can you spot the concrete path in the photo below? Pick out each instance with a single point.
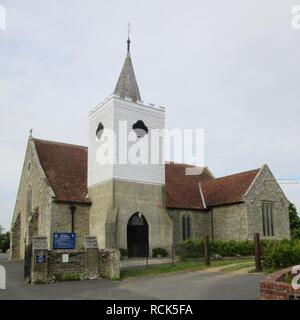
(236, 268)
(197, 285)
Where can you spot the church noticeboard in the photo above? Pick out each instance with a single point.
(40, 243)
(64, 241)
(91, 242)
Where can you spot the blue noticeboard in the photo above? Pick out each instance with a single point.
(64, 241)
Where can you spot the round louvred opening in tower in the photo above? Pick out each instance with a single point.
(99, 131)
(140, 129)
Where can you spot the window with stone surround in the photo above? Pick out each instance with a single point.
(267, 218)
(186, 227)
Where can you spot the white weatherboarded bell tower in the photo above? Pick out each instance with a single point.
(126, 170)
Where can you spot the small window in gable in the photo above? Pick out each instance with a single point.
(140, 129)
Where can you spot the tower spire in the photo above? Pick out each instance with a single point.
(127, 85)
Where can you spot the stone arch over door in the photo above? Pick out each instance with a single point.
(16, 239)
(138, 236)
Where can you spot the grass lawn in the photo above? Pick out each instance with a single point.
(180, 266)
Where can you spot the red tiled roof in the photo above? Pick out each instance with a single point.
(65, 166)
(182, 191)
(229, 189)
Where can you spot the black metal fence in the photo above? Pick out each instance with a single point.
(148, 262)
(137, 263)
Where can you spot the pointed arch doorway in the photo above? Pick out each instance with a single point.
(137, 236)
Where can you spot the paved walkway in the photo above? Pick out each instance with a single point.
(197, 285)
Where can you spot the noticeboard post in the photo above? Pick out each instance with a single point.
(64, 241)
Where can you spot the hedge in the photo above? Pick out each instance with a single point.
(276, 254)
(195, 248)
(280, 254)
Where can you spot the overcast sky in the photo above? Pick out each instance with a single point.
(230, 67)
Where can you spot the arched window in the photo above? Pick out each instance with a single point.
(29, 201)
(186, 227)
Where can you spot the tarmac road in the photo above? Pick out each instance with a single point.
(196, 285)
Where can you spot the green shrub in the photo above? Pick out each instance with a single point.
(276, 254)
(232, 248)
(4, 241)
(123, 252)
(73, 276)
(159, 252)
(192, 249)
(280, 254)
(287, 278)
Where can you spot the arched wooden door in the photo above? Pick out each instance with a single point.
(137, 236)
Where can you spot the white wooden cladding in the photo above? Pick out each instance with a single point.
(111, 113)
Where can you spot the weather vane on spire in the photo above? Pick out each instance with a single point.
(128, 30)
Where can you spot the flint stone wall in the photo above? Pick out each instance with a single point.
(108, 264)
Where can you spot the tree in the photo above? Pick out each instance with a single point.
(294, 222)
(4, 240)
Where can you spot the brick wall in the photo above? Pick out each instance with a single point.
(273, 287)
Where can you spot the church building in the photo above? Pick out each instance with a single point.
(70, 189)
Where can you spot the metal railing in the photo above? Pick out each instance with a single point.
(137, 263)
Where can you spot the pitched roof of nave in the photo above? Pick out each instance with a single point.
(65, 166)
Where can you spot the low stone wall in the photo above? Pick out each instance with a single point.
(105, 263)
(273, 287)
(109, 263)
(56, 266)
(94, 263)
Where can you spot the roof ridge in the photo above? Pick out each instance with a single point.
(183, 164)
(234, 174)
(61, 143)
